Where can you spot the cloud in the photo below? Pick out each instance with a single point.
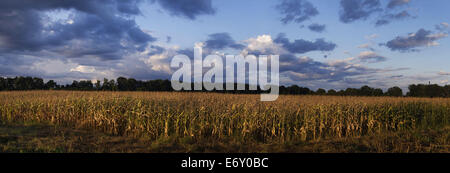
(84, 69)
(397, 3)
(219, 41)
(263, 44)
(159, 59)
(371, 57)
(61, 70)
(365, 46)
(397, 76)
(103, 30)
(303, 46)
(295, 69)
(421, 38)
(443, 27)
(388, 18)
(307, 69)
(215, 43)
(296, 10)
(85, 39)
(352, 10)
(341, 73)
(316, 27)
(393, 12)
(443, 73)
(73, 40)
(187, 9)
(372, 36)
(370, 44)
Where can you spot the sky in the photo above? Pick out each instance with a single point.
(331, 44)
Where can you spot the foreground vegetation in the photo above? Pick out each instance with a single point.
(77, 121)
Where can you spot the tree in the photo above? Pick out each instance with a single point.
(414, 91)
(351, 92)
(122, 84)
(321, 91)
(50, 84)
(332, 92)
(3, 84)
(113, 85)
(10, 82)
(132, 84)
(366, 91)
(85, 85)
(377, 92)
(98, 86)
(38, 83)
(394, 92)
(23, 83)
(446, 91)
(434, 90)
(106, 86)
(74, 85)
(422, 90)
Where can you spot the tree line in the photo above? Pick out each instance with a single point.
(130, 84)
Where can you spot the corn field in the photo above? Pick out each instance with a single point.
(226, 117)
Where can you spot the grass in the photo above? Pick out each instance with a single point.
(66, 121)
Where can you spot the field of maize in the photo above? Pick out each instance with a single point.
(213, 122)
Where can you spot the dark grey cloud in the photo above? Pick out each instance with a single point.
(356, 81)
(303, 46)
(299, 68)
(302, 68)
(101, 29)
(316, 27)
(393, 12)
(381, 22)
(397, 3)
(219, 41)
(352, 10)
(305, 65)
(155, 50)
(142, 72)
(397, 76)
(296, 69)
(307, 69)
(187, 51)
(388, 18)
(334, 73)
(296, 10)
(411, 42)
(12, 65)
(187, 9)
